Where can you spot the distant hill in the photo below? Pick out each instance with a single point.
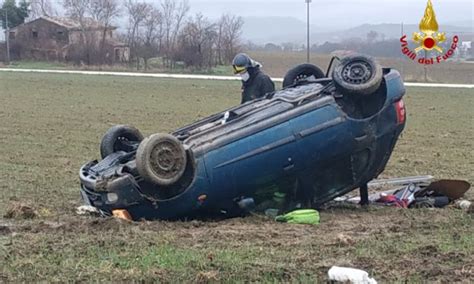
(278, 30)
(394, 30)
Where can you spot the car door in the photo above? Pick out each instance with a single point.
(324, 147)
(253, 162)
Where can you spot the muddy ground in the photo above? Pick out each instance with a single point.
(391, 244)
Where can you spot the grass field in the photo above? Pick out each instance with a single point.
(51, 124)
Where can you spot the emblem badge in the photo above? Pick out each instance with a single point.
(429, 37)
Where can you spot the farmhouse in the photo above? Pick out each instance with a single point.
(67, 39)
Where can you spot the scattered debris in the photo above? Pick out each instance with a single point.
(400, 181)
(345, 240)
(453, 189)
(87, 210)
(350, 275)
(271, 212)
(437, 194)
(414, 192)
(464, 205)
(302, 216)
(20, 211)
(122, 214)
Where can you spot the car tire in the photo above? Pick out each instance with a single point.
(300, 73)
(114, 138)
(161, 159)
(358, 75)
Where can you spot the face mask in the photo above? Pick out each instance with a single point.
(245, 76)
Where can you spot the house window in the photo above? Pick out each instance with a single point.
(35, 34)
(12, 35)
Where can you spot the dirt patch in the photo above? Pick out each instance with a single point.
(338, 227)
(73, 225)
(5, 230)
(207, 277)
(20, 211)
(345, 240)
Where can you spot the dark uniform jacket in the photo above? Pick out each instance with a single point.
(257, 86)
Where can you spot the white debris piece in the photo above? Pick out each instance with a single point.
(349, 275)
(87, 210)
(464, 204)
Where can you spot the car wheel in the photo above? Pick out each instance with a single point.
(161, 159)
(300, 73)
(358, 75)
(119, 138)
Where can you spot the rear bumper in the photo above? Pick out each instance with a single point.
(87, 180)
(122, 192)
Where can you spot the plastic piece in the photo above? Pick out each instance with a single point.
(349, 275)
(303, 216)
(464, 204)
(122, 214)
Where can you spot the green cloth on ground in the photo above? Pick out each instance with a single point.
(302, 216)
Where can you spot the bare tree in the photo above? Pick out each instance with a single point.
(151, 35)
(220, 40)
(104, 11)
(173, 13)
(137, 12)
(229, 32)
(197, 42)
(40, 8)
(78, 9)
(168, 8)
(152, 25)
(181, 11)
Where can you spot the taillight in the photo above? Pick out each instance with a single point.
(401, 112)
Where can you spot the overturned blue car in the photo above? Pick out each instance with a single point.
(320, 137)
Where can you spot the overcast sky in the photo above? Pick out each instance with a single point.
(341, 13)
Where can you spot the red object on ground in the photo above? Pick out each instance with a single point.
(392, 199)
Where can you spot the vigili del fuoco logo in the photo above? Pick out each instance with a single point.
(428, 40)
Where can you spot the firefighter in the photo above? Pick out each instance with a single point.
(255, 83)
